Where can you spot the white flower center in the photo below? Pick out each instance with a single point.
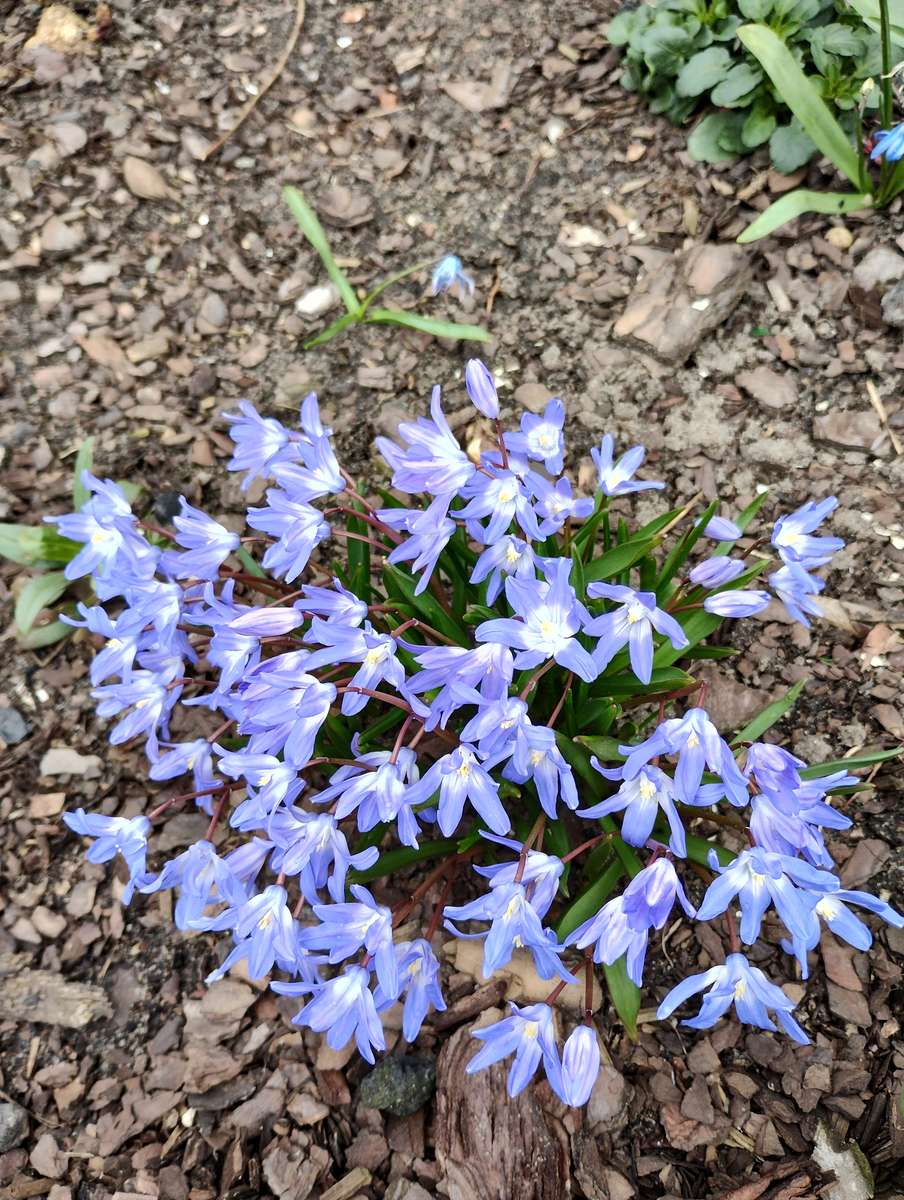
(506, 494)
(636, 613)
(647, 789)
(827, 908)
(547, 629)
(536, 757)
(531, 1029)
(740, 989)
(693, 741)
(372, 657)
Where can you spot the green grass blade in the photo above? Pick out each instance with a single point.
(800, 94)
(331, 331)
(446, 329)
(252, 567)
(854, 763)
(313, 231)
(795, 204)
(625, 995)
(772, 713)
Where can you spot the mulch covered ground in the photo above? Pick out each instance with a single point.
(144, 289)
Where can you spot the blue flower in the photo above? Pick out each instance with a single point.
(429, 533)
(534, 755)
(264, 933)
(737, 604)
(631, 625)
(433, 461)
(419, 974)
(378, 792)
(106, 527)
(832, 907)
(791, 535)
(195, 756)
(259, 442)
(335, 603)
(795, 587)
(346, 928)
(736, 983)
(540, 873)
(759, 877)
(888, 144)
(298, 528)
(551, 617)
(500, 495)
(123, 640)
(341, 1008)
(514, 924)
(580, 1067)
(772, 768)
(202, 877)
(481, 388)
(376, 652)
(447, 273)
(127, 836)
(529, 1034)
(508, 556)
(270, 781)
(458, 777)
(541, 438)
(642, 797)
(556, 502)
(313, 847)
(623, 924)
(696, 741)
(720, 529)
(716, 571)
(207, 544)
(616, 479)
(149, 701)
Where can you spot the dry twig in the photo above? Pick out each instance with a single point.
(249, 108)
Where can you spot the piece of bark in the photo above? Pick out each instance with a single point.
(487, 1144)
(48, 998)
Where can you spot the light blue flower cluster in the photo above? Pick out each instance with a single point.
(438, 688)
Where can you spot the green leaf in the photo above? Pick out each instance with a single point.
(446, 329)
(425, 605)
(854, 763)
(358, 556)
(616, 560)
(129, 489)
(698, 849)
(331, 331)
(605, 748)
(251, 565)
(802, 97)
(703, 71)
(38, 594)
(755, 10)
(736, 86)
(590, 901)
(404, 856)
(35, 545)
(790, 148)
(313, 231)
(44, 635)
(754, 730)
(705, 141)
(625, 995)
(84, 461)
(626, 686)
(795, 204)
(758, 125)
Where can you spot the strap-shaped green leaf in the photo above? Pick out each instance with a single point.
(795, 204)
(773, 712)
(37, 594)
(625, 995)
(800, 94)
(312, 229)
(446, 329)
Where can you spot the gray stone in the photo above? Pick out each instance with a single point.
(672, 309)
(13, 1126)
(13, 726)
(399, 1085)
(877, 269)
(893, 305)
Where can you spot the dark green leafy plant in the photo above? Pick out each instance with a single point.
(683, 55)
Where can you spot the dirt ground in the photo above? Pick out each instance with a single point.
(139, 302)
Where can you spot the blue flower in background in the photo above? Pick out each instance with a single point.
(541, 438)
(127, 836)
(341, 1008)
(642, 798)
(579, 1068)
(616, 479)
(889, 144)
(792, 535)
(419, 974)
(514, 924)
(481, 388)
(716, 571)
(795, 588)
(720, 529)
(447, 273)
(737, 604)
